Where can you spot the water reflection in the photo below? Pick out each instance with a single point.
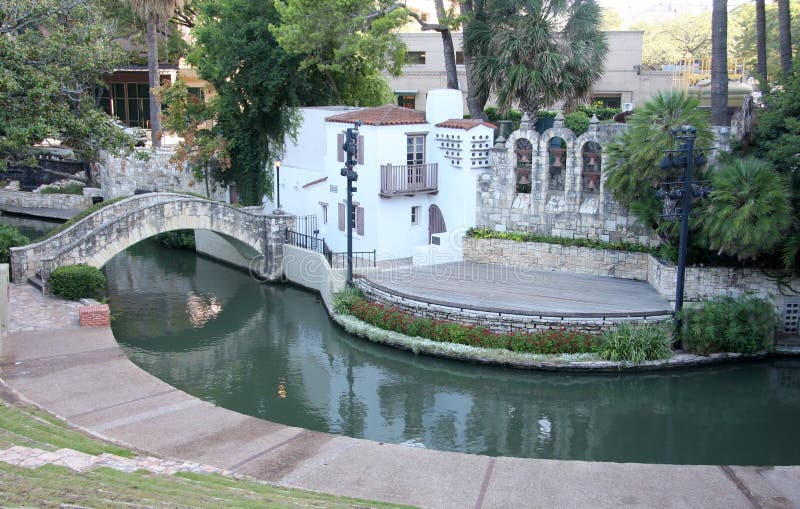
(271, 351)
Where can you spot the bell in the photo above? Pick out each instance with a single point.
(524, 180)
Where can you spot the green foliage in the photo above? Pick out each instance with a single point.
(77, 282)
(484, 233)
(80, 215)
(178, 239)
(343, 301)
(10, 237)
(636, 343)
(349, 43)
(577, 121)
(777, 133)
(748, 211)
(727, 324)
(742, 32)
(52, 56)
(535, 53)
(71, 188)
(547, 342)
(258, 85)
(635, 154)
(672, 41)
(602, 112)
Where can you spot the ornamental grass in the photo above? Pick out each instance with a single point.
(545, 342)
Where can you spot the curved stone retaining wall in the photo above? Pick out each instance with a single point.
(498, 321)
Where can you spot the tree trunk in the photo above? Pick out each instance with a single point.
(761, 45)
(449, 49)
(475, 102)
(154, 81)
(785, 35)
(719, 63)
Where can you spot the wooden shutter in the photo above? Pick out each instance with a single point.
(341, 216)
(360, 221)
(360, 149)
(339, 149)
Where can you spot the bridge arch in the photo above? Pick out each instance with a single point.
(96, 244)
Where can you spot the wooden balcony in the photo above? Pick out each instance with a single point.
(409, 180)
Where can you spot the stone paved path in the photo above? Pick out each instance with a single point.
(30, 310)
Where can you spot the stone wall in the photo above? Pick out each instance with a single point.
(499, 322)
(535, 185)
(699, 282)
(44, 201)
(539, 255)
(150, 169)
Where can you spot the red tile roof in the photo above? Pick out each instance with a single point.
(382, 115)
(464, 123)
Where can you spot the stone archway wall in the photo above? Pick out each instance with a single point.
(100, 245)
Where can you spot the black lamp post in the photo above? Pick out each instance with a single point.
(683, 157)
(351, 149)
(278, 163)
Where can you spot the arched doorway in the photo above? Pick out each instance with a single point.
(435, 222)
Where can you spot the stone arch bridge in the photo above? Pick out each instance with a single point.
(98, 237)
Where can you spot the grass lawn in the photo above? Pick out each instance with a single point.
(55, 486)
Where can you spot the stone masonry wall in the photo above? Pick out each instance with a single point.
(699, 282)
(151, 170)
(499, 322)
(44, 201)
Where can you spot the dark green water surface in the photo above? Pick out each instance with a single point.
(271, 351)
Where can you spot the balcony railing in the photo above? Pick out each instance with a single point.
(409, 179)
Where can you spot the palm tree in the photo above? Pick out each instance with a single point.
(761, 43)
(536, 52)
(719, 63)
(749, 210)
(154, 12)
(785, 35)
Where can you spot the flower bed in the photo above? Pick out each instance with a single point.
(547, 342)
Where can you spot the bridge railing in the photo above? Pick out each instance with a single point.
(335, 260)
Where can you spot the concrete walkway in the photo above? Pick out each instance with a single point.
(83, 376)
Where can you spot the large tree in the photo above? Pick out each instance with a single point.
(761, 43)
(668, 43)
(349, 43)
(743, 35)
(258, 86)
(719, 63)
(52, 56)
(785, 35)
(155, 13)
(536, 52)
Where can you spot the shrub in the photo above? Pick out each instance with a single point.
(343, 300)
(636, 343)
(485, 233)
(77, 282)
(727, 324)
(576, 121)
(71, 188)
(393, 319)
(178, 239)
(10, 237)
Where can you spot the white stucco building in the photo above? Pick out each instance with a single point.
(416, 173)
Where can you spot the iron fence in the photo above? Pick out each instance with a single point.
(335, 260)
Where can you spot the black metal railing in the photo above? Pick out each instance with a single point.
(335, 260)
(305, 241)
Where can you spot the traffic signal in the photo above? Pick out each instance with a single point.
(351, 145)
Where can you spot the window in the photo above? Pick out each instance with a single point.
(130, 102)
(459, 58)
(324, 212)
(359, 226)
(197, 92)
(406, 100)
(415, 58)
(415, 215)
(415, 149)
(608, 101)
